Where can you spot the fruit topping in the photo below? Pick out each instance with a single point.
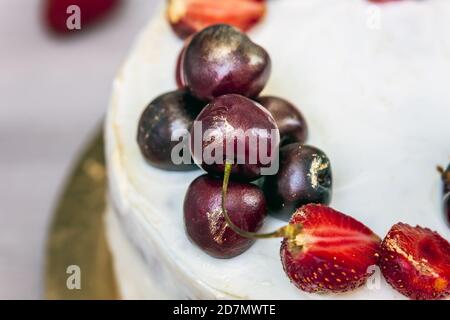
(236, 129)
(205, 222)
(416, 262)
(164, 123)
(331, 253)
(304, 177)
(290, 121)
(220, 60)
(189, 16)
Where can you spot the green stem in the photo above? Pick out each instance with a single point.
(289, 231)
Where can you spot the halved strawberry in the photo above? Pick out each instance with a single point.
(416, 262)
(189, 16)
(90, 11)
(332, 253)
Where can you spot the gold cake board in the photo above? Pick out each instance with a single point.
(78, 262)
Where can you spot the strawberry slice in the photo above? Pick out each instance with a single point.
(90, 11)
(189, 16)
(332, 253)
(416, 262)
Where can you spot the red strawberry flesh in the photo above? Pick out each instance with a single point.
(189, 16)
(332, 253)
(416, 262)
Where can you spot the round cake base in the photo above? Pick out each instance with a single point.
(78, 262)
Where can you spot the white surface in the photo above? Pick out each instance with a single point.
(131, 269)
(53, 94)
(377, 102)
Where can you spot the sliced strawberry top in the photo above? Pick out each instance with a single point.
(190, 16)
(416, 262)
(333, 252)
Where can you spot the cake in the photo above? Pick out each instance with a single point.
(372, 82)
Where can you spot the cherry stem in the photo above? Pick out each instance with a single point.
(289, 231)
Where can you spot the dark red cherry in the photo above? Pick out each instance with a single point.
(246, 127)
(290, 121)
(168, 114)
(304, 177)
(220, 60)
(205, 222)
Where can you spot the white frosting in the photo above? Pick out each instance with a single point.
(377, 98)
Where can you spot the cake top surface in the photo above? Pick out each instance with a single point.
(372, 81)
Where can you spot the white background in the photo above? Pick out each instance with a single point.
(53, 94)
